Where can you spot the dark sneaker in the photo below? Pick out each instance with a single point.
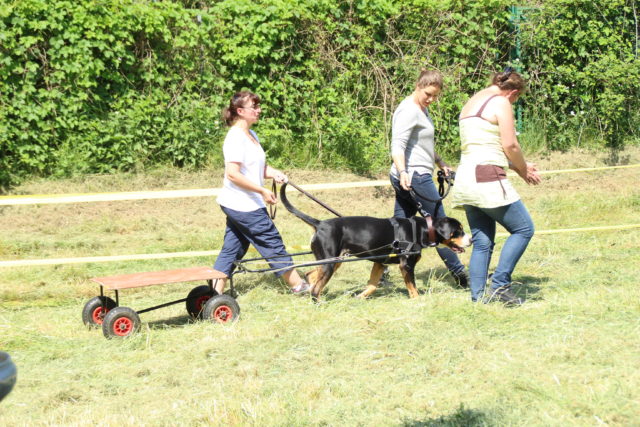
(384, 279)
(461, 279)
(504, 294)
(302, 289)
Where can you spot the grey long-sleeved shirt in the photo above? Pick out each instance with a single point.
(412, 133)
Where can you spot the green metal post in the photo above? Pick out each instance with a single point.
(515, 56)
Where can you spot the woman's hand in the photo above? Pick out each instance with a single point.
(280, 177)
(532, 177)
(268, 196)
(446, 169)
(405, 182)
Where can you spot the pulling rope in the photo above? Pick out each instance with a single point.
(241, 264)
(324, 205)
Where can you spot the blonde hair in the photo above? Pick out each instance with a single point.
(429, 78)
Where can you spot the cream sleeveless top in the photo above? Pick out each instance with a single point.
(481, 145)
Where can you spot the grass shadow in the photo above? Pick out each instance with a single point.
(616, 158)
(461, 417)
(171, 322)
(245, 283)
(529, 287)
(438, 272)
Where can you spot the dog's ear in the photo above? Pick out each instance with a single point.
(442, 226)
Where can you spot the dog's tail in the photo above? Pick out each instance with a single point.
(306, 218)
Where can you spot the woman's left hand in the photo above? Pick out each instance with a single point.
(446, 169)
(275, 174)
(279, 177)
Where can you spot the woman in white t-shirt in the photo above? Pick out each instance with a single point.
(243, 196)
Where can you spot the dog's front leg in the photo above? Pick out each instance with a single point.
(376, 273)
(407, 270)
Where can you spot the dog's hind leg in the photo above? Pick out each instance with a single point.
(376, 273)
(313, 275)
(321, 276)
(409, 277)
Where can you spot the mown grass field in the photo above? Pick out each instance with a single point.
(569, 356)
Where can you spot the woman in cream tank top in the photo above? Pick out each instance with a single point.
(489, 148)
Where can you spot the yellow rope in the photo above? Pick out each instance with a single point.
(208, 192)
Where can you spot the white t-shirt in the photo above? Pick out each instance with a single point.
(238, 148)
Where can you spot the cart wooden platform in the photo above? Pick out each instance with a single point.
(202, 302)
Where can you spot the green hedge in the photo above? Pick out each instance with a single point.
(98, 86)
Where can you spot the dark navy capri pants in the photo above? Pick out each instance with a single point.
(256, 228)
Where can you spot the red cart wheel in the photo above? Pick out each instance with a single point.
(197, 298)
(120, 322)
(95, 309)
(221, 309)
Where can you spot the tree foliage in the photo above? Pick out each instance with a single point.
(104, 85)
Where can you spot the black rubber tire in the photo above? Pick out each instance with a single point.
(197, 299)
(8, 374)
(92, 315)
(121, 322)
(221, 309)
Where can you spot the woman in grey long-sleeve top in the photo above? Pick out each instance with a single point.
(414, 158)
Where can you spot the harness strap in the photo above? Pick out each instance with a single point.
(414, 244)
(431, 232)
(396, 242)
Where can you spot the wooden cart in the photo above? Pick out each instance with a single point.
(202, 302)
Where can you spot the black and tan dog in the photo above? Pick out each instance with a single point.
(395, 240)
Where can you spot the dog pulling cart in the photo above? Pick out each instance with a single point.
(202, 302)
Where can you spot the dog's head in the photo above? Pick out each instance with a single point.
(450, 233)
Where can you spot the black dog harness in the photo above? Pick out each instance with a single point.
(415, 245)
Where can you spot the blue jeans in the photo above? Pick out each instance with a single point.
(256, 228)
(516, 220)
(406, 207)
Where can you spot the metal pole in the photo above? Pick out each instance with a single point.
(515, 57)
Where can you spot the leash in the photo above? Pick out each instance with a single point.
(442, 179)
(324, 205)
(273, 208)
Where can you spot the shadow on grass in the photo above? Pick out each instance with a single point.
(461, 417)
(171, 322)
(527, 287)
(439, 272)
(615, 158)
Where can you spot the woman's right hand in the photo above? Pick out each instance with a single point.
(268, 196)
(405, 182)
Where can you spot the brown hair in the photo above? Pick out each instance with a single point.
(509, 80)
(429, 78)
(238, 100)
